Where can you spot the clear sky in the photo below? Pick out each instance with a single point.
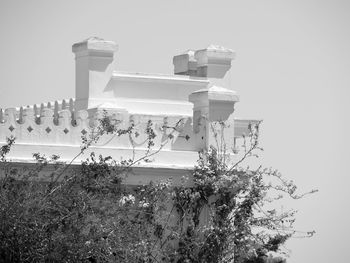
(292, 69)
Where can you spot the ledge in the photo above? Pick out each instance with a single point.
(145, 77)
(139, 175)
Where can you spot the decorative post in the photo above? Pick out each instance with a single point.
(94, 68)
(212, 107)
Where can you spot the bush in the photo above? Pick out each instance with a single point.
(91, 216)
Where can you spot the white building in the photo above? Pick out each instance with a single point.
(192, 99)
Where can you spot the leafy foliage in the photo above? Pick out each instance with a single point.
(89, 215)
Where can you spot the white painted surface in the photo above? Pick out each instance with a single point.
(133, 98)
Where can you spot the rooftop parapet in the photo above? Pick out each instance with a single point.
(60, 125)
(99, 85)
(192, 95)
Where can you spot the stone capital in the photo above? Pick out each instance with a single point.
(95, 45)
(214, 61)
(204, 97)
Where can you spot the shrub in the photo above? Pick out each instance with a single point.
(91, 216)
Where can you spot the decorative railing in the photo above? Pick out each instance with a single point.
(56, 123)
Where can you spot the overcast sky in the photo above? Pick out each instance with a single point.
(292, 70)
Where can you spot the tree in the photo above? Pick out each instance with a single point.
(91, 216)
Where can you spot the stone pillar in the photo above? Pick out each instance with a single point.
(94, 67)
(212, 62)
(213, 108)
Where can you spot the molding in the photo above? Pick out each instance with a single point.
(144, 77)
(139, 175)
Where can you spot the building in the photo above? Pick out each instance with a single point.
(191, 100)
